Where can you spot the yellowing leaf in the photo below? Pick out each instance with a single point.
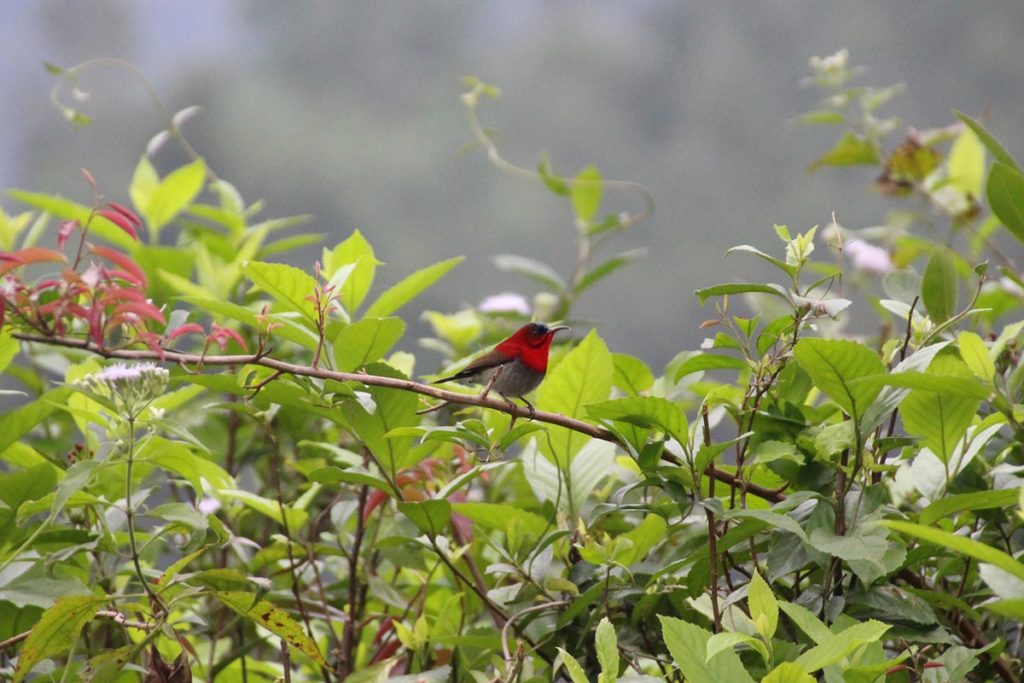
(56, 631)
(265, 614)
(967, 163)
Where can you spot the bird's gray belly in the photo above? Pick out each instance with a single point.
(516, 379)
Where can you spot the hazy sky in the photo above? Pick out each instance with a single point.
(350, 110)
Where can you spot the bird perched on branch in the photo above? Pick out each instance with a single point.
(514, 367)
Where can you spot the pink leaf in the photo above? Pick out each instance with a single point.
(122, 260)
(187, 328)
(120, 221)
(64, 234)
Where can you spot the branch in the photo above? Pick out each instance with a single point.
(166, 355)
(969, 632)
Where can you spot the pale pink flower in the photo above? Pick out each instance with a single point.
(868, 257)
(507, 302)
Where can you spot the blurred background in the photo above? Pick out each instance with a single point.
(350, 111)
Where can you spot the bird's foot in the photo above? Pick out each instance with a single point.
(511, 411)
(533, 411)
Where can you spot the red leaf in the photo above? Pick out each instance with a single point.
(220, 336)
(386, 627)
(89, 179)
(152, 340)
(38, 255)
(375, 500)
(116, 295)
(141, 309)
(120, 221)
(122, 260)
(12, 260)
(95, 316)
(386, 651)
(127, 213)
(187, 328)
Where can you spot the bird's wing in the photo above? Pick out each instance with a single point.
(489, 360)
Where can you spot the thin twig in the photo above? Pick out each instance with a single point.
(171, 356)
(712, 530)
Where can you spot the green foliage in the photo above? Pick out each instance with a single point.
(812, 494)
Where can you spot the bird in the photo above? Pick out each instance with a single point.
(515, 367)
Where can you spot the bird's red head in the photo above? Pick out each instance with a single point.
(531, 344)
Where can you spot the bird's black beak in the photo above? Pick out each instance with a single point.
(558, 328)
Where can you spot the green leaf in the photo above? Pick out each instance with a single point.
(778, 263)
(278, 622)
(31, 483)
(573, 667)
(975, 353)
(35, 588)
(286, 284)
(145, 181)
(997, 151)
(66, 209)
(977, 500)
(959, 545)
(355, 251)
(175, 456)
(851, 149)
(17, 423)
(645, 536)
(394, 409)
(531, 268)
(764, 608)
(833, 364)
(739, 288)
(586, 192)
(170, 196)
(606, 268)
(8, 348)
(583, 376)
(607, 648)
(1005, 192)
(430, 516)
(56, 631)
(631, 374)
(365, 341)
(727, 640)
(708, 361)
(351, 475)
(967, 163)
(775, 519)
(498, 516)
(866, 548)
(941, 285)
(643, 411)
(788, 672)
(940, 417)
(961, 385)
(409, 288)
(377, 673)
(555, 183)
(833, 649)
(815, 629)
(272, 509)
(688, 646)
(288, 329)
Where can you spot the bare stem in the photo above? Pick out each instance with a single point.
(187, 359)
